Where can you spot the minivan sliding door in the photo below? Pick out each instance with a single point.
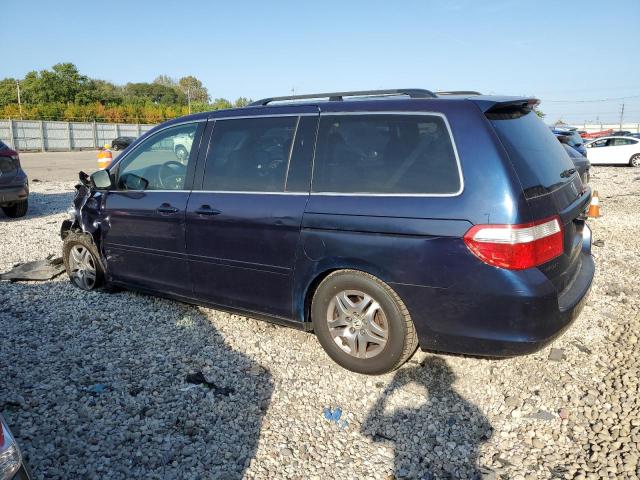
(243, 221)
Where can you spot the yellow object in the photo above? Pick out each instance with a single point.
(104, 157)
(107, 146)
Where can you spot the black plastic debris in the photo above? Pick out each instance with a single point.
(39, 270)
(198, 378)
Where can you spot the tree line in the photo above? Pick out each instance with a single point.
(63, 93)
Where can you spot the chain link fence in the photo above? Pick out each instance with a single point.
(33, 135)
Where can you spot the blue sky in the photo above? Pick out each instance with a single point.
(560, 51)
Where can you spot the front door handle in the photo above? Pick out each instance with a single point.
(207, 210)
(166, 208)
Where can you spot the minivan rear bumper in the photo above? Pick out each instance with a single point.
(513, 313)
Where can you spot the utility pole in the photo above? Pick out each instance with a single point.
(19, 100)
(189, 98)
(621, 115)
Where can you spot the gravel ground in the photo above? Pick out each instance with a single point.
(94, 384)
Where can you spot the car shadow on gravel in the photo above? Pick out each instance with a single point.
(43, 205)
(95, 386)
(437, 437)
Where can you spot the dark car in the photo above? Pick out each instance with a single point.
(402, 219)
(574, 140)
(582, 164)
(12, 466)
(121, 143)
(14, 184)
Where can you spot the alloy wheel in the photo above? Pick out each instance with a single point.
(83, 267)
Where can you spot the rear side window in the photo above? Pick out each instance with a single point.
(249, 155)
(540, 162)
(622, 141)
(385, 154)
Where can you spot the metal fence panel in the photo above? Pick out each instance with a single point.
(81, 135)
(28, 135)
(56, 135)
(5, 132)
(106, 132)
(128, 130)
(35, 135)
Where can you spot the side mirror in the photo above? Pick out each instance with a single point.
(101, 180)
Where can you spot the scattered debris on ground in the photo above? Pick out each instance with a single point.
(40, 270)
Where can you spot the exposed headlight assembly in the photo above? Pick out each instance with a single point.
(10, 457)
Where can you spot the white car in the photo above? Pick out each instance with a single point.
(614, 150)
(182, 146)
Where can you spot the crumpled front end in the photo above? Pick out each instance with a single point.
(87, 214)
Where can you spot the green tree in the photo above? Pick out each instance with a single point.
(8, 91)
(107, 92)
(193, 89)
(165, 80)
(221, 103)
(154, 93)
(242, 102)
(63, 83)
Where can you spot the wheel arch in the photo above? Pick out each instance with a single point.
(323, 270)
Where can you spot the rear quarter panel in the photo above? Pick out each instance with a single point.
(413, 241)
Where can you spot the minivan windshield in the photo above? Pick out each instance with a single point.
(540, 161)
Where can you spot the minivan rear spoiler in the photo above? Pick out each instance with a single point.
(489, 104)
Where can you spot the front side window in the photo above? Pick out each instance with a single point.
(160, 162)
(599, 143)
(249, 155)
(385, 154)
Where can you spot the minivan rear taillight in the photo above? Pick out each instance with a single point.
(517, 247)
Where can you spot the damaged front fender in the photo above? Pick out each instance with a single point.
(87, 213)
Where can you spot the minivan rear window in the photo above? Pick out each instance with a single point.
(540, 161)
(385, 154)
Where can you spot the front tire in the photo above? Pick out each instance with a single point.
(634, 161)
(17, 210)
(82, 262)
(362, 323)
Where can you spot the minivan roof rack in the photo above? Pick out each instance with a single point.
(338, 96)
(459, 92)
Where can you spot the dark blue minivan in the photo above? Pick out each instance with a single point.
(380, 220)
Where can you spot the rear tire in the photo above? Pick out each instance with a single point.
(17, 210)
(634, 161)
(82, 262)
(374, 312)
